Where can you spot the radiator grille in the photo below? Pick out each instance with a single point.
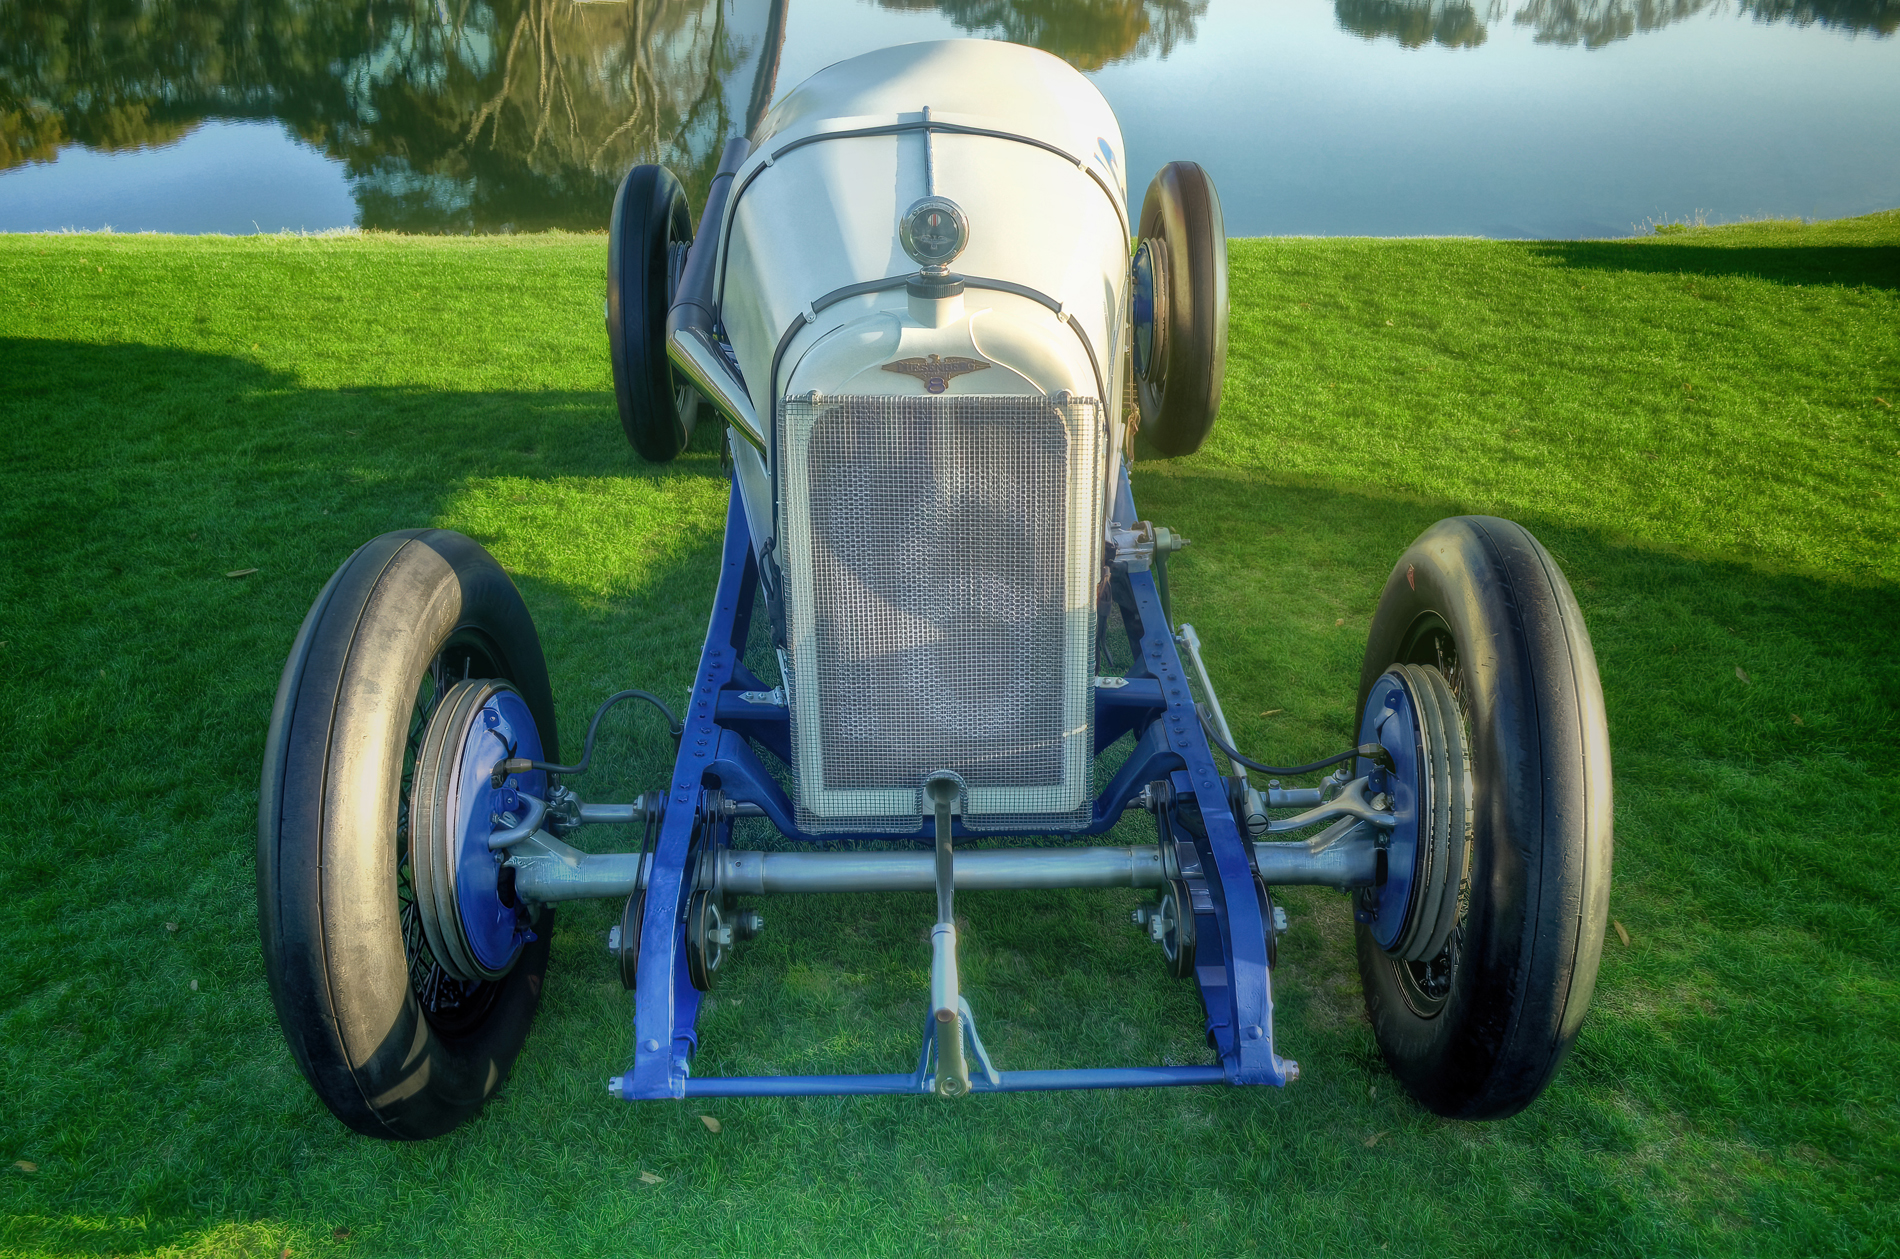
(940, 557)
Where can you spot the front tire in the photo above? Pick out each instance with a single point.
(392, 1043)
(647, 239)
(1478, 1030)
(1180, 309)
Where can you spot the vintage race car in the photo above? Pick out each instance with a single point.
(918, 307)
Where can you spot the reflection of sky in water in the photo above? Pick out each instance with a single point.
(233, 177)
(1320, 132)
(1547, 118)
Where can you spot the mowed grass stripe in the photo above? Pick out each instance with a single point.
(1701, 426)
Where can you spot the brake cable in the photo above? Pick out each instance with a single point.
(515, 765)
(1373, 752)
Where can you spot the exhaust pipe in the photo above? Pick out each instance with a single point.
(691, 345)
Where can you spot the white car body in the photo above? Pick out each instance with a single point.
(977, 657)
(826, 216)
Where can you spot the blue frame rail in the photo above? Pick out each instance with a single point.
(1156, 705)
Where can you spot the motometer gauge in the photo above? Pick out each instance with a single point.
(934, 231)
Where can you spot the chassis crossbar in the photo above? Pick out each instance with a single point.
(1010, 1082)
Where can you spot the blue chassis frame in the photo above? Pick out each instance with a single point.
(1156, 705)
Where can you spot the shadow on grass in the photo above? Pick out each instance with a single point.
(135, 477)
(1743, 690)
(81, 404)
(1848, 266)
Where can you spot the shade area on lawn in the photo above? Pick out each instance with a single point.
(1701, 426)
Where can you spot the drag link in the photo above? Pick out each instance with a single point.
(1192, 641)
(946, 1003)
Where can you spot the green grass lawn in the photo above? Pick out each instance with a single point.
(1701, 426)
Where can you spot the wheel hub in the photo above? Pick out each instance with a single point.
(1413, 714)
(1150, 303)
(473, 923)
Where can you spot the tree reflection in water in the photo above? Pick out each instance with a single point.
(1088, 34)
(1880, 17)
(449, 115)
(527, 117)
(463, 115)
(1591, 23)
(1414, 23)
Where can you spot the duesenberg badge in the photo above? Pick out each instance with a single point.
(935, 371)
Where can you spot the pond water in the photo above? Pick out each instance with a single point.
(1508, 118)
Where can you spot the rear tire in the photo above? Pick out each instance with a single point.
(394, 1045)
(647, 239)
(1477, 1031)
(1178, 381)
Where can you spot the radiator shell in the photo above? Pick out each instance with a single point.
(940, 558)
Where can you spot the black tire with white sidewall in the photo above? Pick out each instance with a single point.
(1477, 1028)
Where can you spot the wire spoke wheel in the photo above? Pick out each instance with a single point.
(1480, 953)
(1426, 985)
(393, 1040)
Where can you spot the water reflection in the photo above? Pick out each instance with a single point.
(1592, 23)
(1088, 34)
(498, 115)
(464, 115)
(1413, 24)
(449, 115)
(1881, 17)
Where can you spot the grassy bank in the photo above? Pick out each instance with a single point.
(1701, 426)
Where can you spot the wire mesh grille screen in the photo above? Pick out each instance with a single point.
(941, 557)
